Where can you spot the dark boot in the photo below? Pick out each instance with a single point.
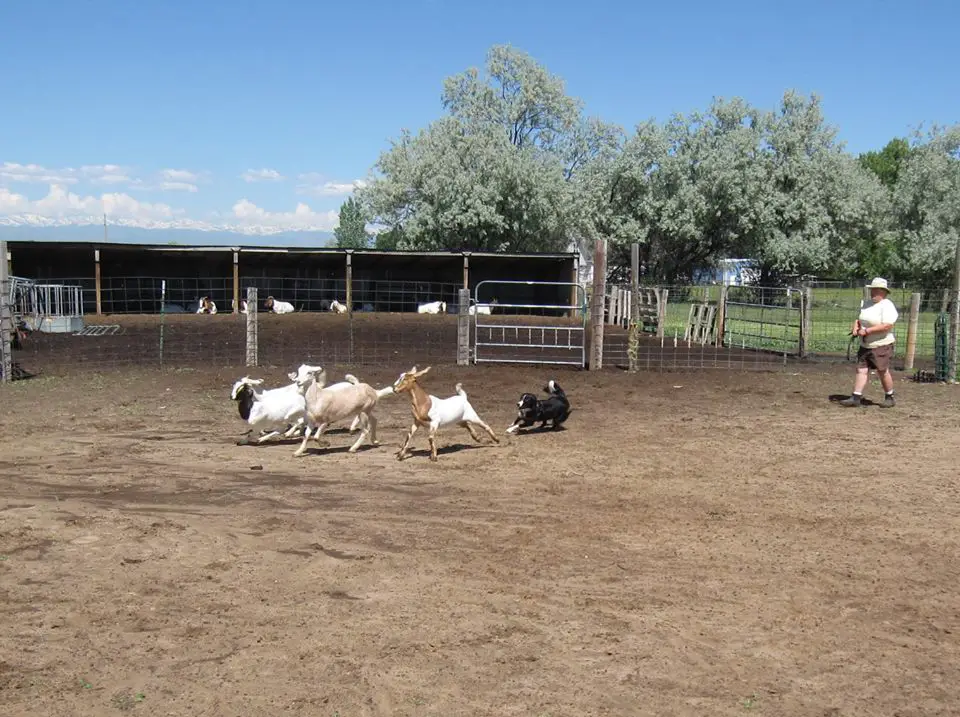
(853, 400)
(888, 401)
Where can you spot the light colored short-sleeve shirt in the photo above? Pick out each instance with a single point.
(872, 314)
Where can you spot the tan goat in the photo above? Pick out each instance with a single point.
(436, 413)
(347, 399)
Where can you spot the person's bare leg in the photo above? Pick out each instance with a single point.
(859, 383)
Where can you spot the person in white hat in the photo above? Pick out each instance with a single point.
(874, 326)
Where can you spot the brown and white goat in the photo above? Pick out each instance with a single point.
(435, 413)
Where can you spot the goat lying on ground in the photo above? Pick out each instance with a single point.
(207, 306)
(531, 409)
(277, 306)
(434, 307)
(338, 307)
(276, 408)
(243, 306)
(349, 399)
(436, 413)
(482, 309)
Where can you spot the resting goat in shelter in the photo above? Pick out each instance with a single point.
(207, 306)
(434, 307)
(276, 408)
(349, 399)
(337, 307)
(277, 306)
(436, 413)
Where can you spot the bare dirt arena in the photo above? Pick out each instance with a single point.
(710, 543)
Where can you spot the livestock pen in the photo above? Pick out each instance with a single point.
(693, 542)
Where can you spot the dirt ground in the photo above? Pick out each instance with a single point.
(709, 543)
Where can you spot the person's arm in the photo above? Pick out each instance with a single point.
(889, 317)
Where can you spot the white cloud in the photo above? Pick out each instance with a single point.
(261, 175)
(302, 218)
(314, 184)
(60, 203)
(177, 187)
(62, 207)
(179, 175)
(34, 173)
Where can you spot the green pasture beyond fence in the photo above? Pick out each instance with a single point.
(831, 315)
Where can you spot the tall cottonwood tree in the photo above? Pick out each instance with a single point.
(495, 173)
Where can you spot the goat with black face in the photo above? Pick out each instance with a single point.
(531, 410)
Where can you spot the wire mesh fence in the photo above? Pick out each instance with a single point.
(152, 321)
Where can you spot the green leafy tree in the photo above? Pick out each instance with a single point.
(351, 232)
(926, 204)
(887, 162)
(495, 173)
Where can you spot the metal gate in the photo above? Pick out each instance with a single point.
(764, 318)
(521, 331)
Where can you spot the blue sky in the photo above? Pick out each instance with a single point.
(164, 106)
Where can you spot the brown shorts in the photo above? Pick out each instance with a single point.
(878, 358)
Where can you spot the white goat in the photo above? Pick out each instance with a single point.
(339, 402)
(434, 307)
(436, 413)
(277, 306)
(207, 306)
(243, 306)
(279, 407)
(482, 309)
(338, 307)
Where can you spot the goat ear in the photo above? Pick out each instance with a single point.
(420, 373)
(292, 376)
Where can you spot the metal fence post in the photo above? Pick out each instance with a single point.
(463, 328)
(6, 318)
(253, 354)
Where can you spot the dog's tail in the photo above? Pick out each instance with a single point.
(350, 378)
(460, 391)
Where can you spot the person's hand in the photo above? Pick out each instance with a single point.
(861, 332)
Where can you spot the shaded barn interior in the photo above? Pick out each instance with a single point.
(132, 276)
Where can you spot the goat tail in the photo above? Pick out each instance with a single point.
(460, 390)
(351, 378)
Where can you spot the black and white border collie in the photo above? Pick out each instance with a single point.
(531, 410)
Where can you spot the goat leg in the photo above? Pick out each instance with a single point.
(473, 433)
(268, 436)
(364, 432)
(372, 420)
(432, 439)
(402, 453)
(489, 431)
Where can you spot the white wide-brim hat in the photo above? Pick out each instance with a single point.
(879, 283)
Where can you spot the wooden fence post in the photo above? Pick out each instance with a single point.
(662, 296)
(253, 338)
(599, 303)
(349, 278)
(463, 328)
(236, 280)
(721, 316)
(96, 280)
(633, 337)
(912, 331)
(806, 320)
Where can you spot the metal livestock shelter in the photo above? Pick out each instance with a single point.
(122, 278)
